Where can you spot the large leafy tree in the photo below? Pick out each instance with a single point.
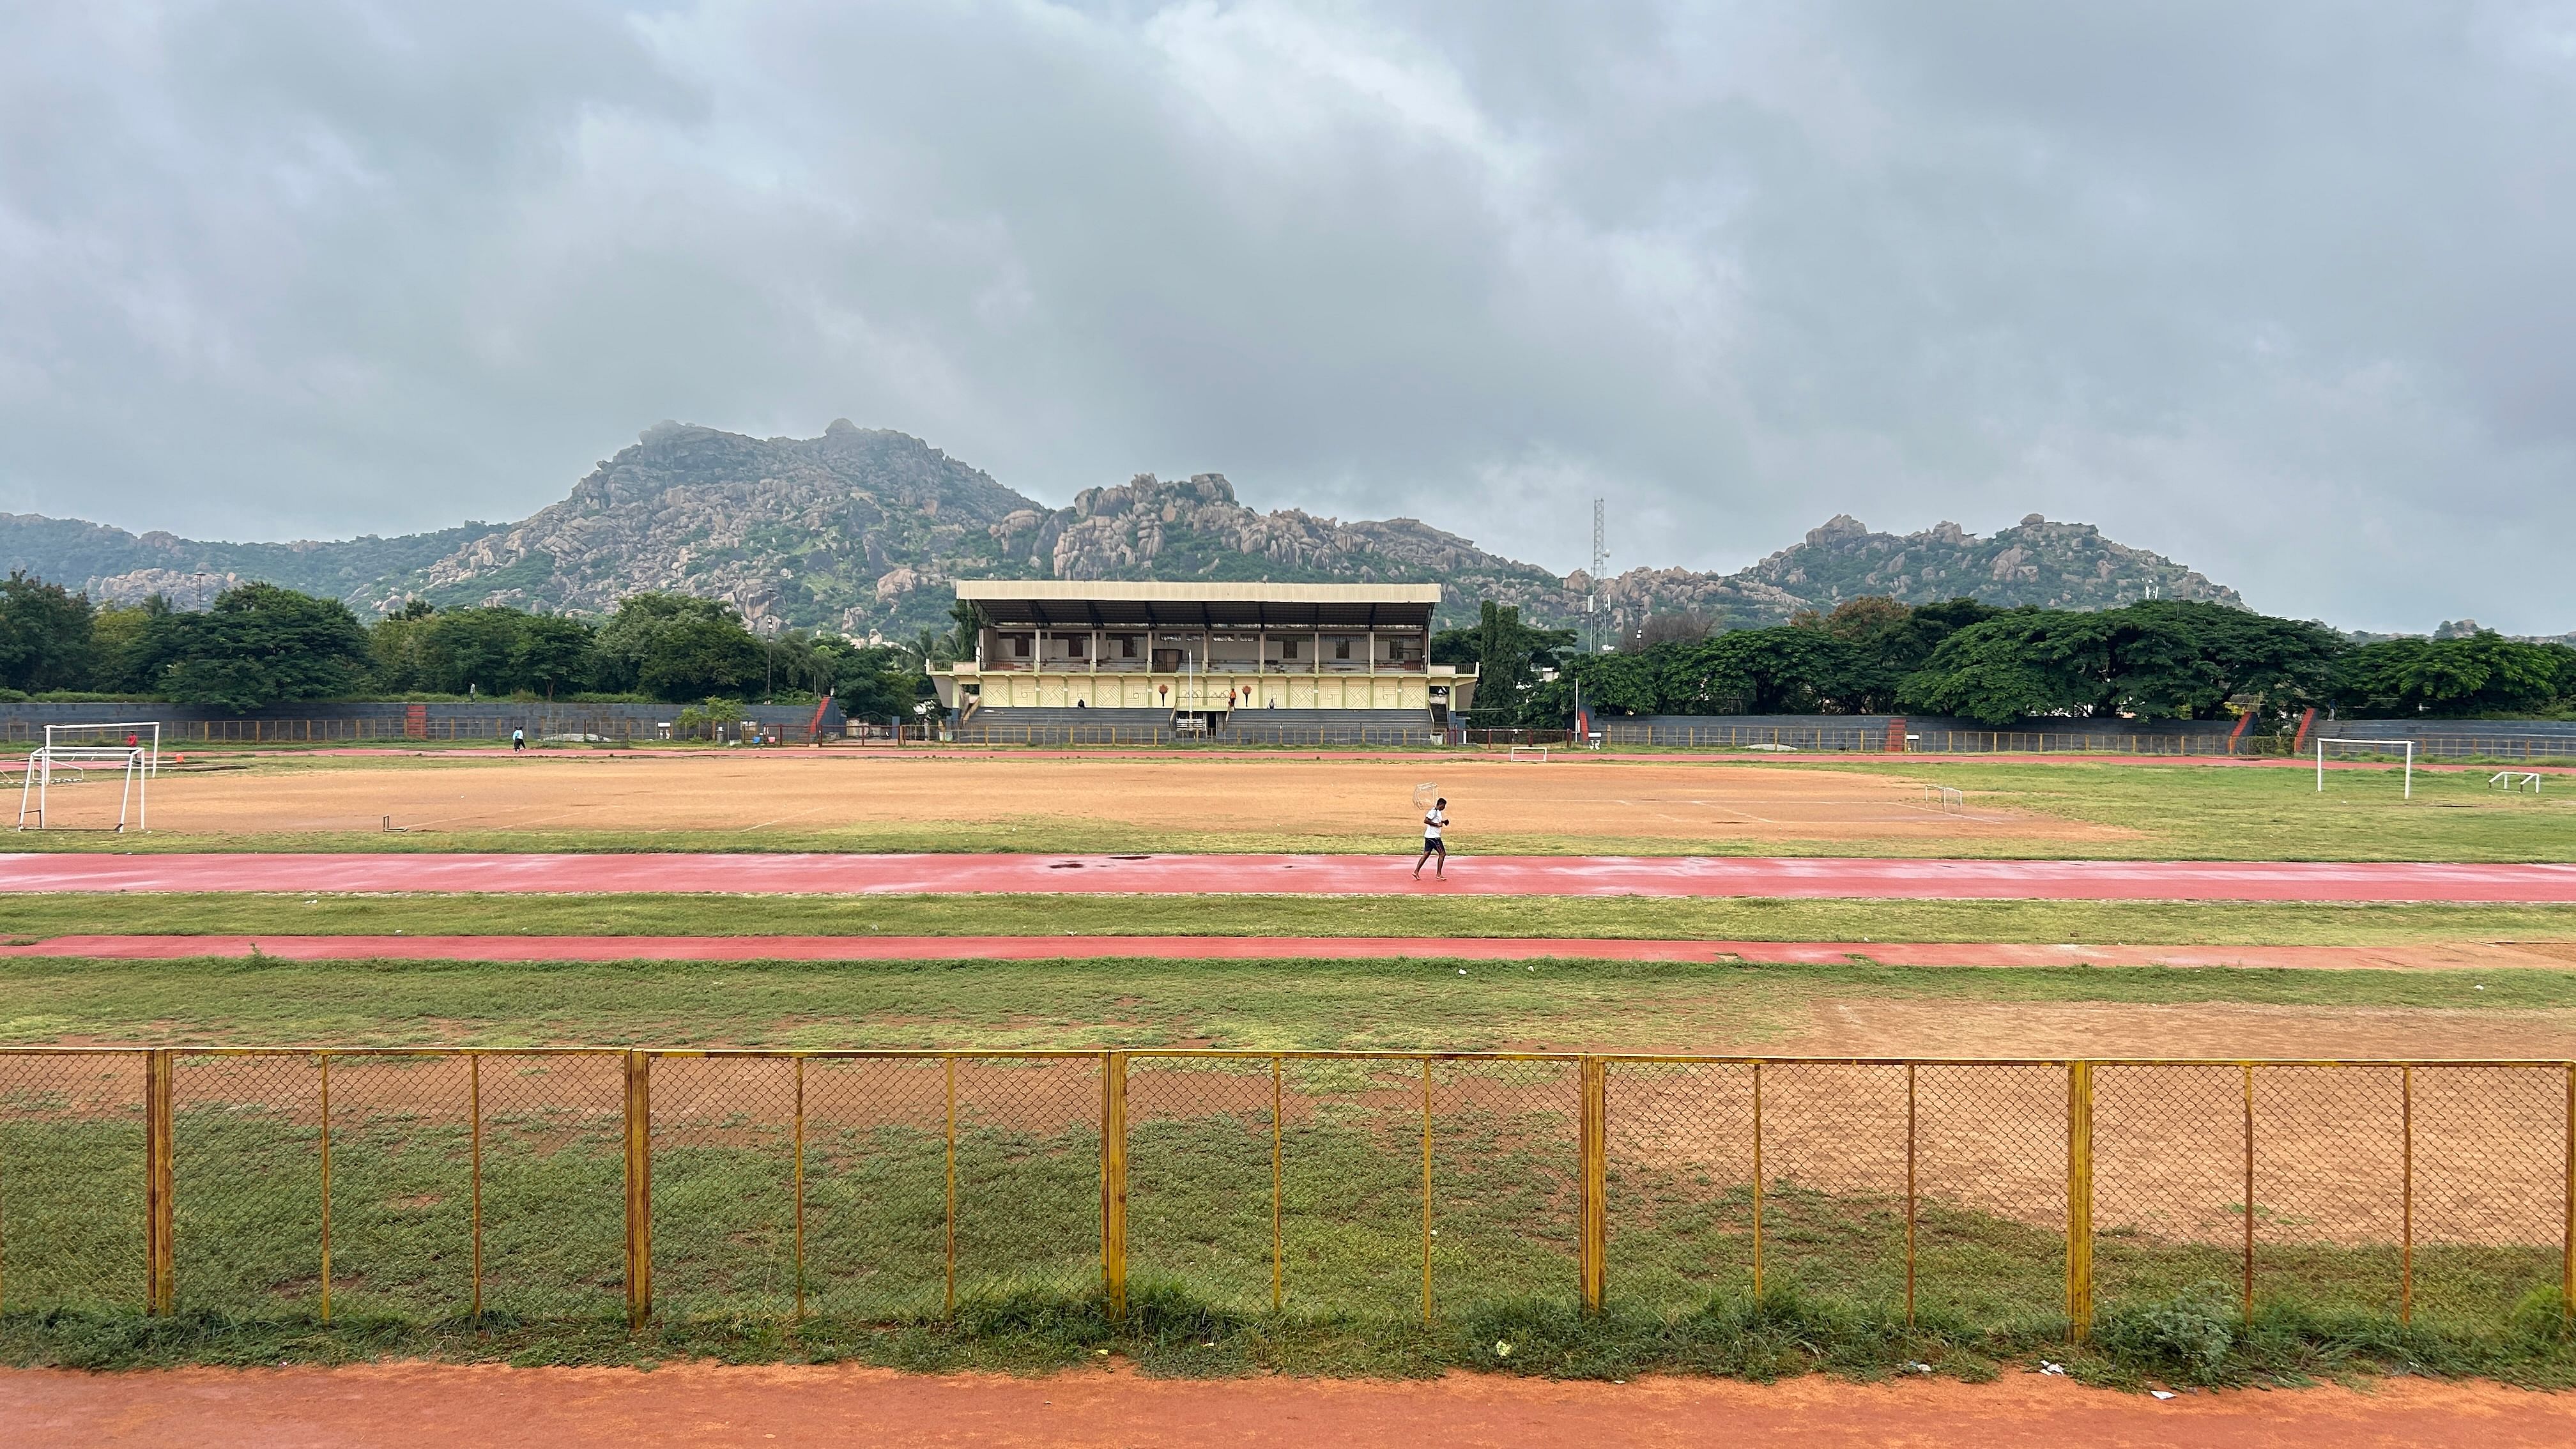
(674, 647)
(45, 635)
(259, 645)
(2160, 659)
(552, 654)
(491, 650)
(2483, 673)
(2176, 659)
(2021, 663)
(1853, 660)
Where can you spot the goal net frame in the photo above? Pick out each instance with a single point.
(1525, 752)
(145, 732)
(35, 787)
(2375, 747)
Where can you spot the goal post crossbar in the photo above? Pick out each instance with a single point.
(2407, 747)
(35, 784)
(1530, 752)
(146, 734)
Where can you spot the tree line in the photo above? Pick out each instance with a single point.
(2160, 659)
(259, 645)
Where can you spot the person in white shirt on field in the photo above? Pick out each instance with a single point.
(1432, 824)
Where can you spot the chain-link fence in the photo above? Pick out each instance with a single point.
(438, 1185)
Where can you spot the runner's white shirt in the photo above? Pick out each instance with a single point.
(1431, 824)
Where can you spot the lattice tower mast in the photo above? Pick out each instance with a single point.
(1596, 605)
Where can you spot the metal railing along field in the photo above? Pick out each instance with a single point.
(1871, 740)
(441, 1184)
(556, 729)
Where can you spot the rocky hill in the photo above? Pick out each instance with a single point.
(125, 567)
(2053, 565)
(861, 531)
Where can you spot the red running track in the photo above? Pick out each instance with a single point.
(2094, 880)
(2459, 955)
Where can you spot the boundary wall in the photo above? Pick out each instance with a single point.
(400, 720)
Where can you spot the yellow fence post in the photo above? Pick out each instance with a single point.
(2567, 1250)
(639, 1189)
(1113, 1183)
(1909, 1194)
(800, 1189)
(1592, 1154)
(2248, 1285)
(2079, 1198)
(1278, 1243)
(2406, 1196)
(324, 1061)
(160, 1276)
(1757, 1182)
(949, 1301)
(474, 1109)
(1426, 1192)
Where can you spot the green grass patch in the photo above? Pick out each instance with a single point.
(1262, 1005)
(2226, 923)
(2230, 812)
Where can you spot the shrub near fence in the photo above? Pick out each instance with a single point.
(437, 1185)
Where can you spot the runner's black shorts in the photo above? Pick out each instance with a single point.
(1433, 843)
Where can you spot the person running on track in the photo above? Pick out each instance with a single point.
(518, 741)
(1433, 823)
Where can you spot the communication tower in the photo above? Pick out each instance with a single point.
(1596, 610)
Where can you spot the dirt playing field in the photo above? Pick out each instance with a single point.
(420, 1406)
(1179, 798)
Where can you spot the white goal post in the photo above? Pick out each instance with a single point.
(35, 788)
(139, 734)
(1530, 752)
(2376, 747)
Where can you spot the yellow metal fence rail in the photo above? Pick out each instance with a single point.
(437, 1183)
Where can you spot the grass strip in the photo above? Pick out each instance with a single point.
(29, 918)
(1258, 1005)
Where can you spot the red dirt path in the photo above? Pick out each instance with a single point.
(423, 1406)
(2440, 956)
(1816, 878)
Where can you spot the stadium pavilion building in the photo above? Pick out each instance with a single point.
(1074, 661)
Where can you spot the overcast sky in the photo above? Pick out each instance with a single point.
(2284, 290)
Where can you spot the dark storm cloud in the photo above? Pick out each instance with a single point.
(2281, 290)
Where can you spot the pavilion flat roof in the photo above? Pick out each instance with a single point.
(1109, 604)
